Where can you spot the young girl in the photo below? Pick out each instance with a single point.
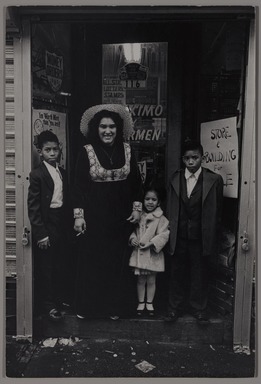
(147, 258)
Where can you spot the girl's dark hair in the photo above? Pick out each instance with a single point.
(46, 136)
(191, 145)
(93, 136)
(155, 187)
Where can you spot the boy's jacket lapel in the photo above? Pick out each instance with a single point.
(47, 177)
(208, 180)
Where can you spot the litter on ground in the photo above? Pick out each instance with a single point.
(144, 366)
(50, 342)
(70, 342)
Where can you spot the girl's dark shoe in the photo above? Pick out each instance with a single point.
(150, 309)
(140, 308)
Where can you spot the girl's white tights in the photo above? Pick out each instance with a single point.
(143, 282)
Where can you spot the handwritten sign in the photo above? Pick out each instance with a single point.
(44, 119)
(220, 143)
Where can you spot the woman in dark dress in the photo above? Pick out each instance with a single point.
(107, 202)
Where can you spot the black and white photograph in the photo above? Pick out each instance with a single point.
(129, 198)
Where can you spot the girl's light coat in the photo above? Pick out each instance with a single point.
(153, 227)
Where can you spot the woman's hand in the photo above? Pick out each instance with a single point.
(134, 217)
(79, 225)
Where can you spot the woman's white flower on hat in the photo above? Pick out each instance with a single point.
(122, 110)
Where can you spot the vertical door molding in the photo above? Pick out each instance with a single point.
(22, 62)
(246, 232)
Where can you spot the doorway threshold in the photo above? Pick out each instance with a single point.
(184, 330)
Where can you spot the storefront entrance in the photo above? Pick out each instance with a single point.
(191, 71)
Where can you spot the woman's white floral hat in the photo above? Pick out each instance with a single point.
(122, 110)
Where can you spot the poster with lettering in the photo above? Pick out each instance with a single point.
(43, 119)
(135, 74)
(220, 143)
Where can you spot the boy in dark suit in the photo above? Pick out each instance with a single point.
(48, 213)
(194, 211)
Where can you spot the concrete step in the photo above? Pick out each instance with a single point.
(185, 329)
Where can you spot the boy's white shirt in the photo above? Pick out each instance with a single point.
(191, 181)
(57, 198)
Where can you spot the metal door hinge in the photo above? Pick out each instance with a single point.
(25, 236)
(245, 242)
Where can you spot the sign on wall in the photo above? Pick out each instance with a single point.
(220, 143)
(51, 62)
(54, 70)
(43, 119)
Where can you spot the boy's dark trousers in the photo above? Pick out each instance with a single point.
(188, 266)
(189, 276)
(52, 270)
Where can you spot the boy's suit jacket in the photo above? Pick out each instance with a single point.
(39, 199)
(212, 195)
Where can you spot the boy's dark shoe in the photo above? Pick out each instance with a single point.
(172, 316)
(80, 316)
(55, 315)
(201, 317)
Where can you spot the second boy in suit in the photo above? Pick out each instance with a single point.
(194, 211)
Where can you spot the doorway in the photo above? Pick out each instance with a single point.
(197, 80)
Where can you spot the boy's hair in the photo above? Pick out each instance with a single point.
(192, 145)
(46, 136)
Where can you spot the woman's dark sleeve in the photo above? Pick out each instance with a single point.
(81, 180)
(135, 179)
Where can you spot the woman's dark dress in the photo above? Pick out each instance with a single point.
(103, 249)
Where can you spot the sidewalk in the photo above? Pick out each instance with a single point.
(117, 354)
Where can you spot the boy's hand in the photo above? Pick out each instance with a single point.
(44, 244)
(79, 225)
(134, 217)
(145, 246)
(134, 242)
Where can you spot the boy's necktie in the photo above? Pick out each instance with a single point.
(59, 173)
(191, 181)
